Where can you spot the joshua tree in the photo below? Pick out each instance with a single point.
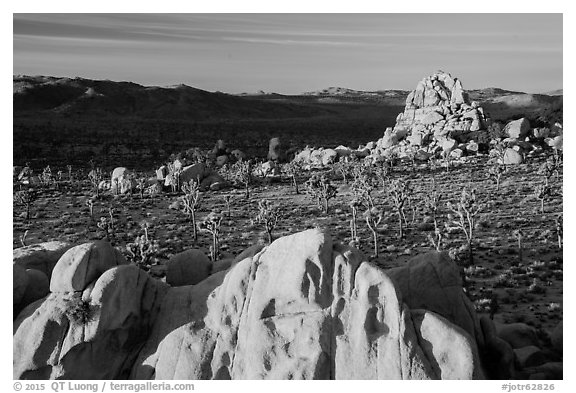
(499, 151)
(46, 177)
(320, 188)
(228, 202)
(559, 229)
(143, 249)
(465, 212)
(191, 201)
(141, 186)
(23, 238)
(343, 168)
(354, 205)
(519, 235)
(25, 198)
(90, 204)
(447, 158)
(106, 226)
(95, 177)
(69, 168)
(431, 205)
(542, 192)
(437, 239)
(268, 215)
(211, 224)
(363, 185)
(495, 173)
(242, 174)
(551, 167)
(382, 173)
(373, 218)
(400, 191)
(174, 174)
(293, 169)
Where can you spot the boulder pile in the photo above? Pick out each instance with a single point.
(300, 308)
(439, 120)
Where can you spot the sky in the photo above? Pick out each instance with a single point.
(294, 53)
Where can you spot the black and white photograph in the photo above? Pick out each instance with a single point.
(287, 196)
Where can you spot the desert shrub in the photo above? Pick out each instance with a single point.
(496, 130)
(80, 311)
(536, 287)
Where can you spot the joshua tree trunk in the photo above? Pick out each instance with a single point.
(269, 233)
(194, 230)
(353, 225)
(401, 233)
(325, 200)
(542, 205)
(247, 191)
(295, 184)
(375, 237)
(470, 253)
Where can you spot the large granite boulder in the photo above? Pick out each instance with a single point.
(303, 307)
(122, 181)
(82, 264)
(188, 268)
(517, 129)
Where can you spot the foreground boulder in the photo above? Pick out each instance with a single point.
(300, 308)
(41, 256)
(94, 333)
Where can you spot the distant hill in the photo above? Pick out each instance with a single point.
(558, 92)
(87, 98)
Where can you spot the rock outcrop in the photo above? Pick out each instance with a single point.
(301, 308)
(438, 107)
